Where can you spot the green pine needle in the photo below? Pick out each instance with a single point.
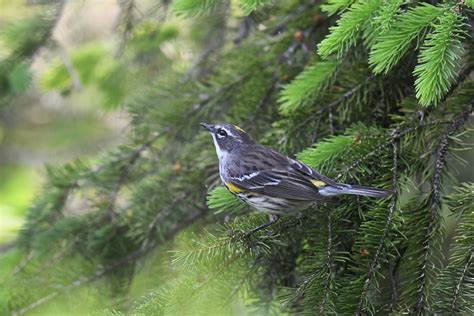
(383, 21)
(221, 200)
(439, 59)
(306, 86)
(326, 150)
(349, 28)
(393, 45)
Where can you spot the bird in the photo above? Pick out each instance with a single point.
(271, 182)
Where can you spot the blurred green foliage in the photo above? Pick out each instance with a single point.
(150, 35)
(20, 78)
(19, 41)
(95, 68)
(17, 188)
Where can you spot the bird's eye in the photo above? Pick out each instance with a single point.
(221, 132)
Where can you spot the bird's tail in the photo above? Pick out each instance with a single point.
(354, 189)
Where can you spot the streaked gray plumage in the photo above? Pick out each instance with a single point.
(270, 181)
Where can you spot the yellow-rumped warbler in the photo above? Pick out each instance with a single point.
(269, 181)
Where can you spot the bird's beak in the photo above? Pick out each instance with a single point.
(209, 127)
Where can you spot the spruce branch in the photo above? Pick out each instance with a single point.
(422, 304)
(306, 86)
(350, 27)
(393, 45)
(440, 58)
(382, 21)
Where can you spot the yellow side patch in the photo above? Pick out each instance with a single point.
(239, 128)
(318, 183)
(233, 188)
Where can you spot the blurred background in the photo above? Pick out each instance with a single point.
(65, 69)
(67, 104)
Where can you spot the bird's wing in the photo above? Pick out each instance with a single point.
(317, 179)
(297, 167)
(289, 184)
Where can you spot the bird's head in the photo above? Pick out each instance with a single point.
(227, 137)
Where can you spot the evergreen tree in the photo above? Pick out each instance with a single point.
(372, 92)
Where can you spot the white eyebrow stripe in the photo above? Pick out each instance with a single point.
(228, 131)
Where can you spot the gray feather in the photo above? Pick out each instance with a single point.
(355, 190)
